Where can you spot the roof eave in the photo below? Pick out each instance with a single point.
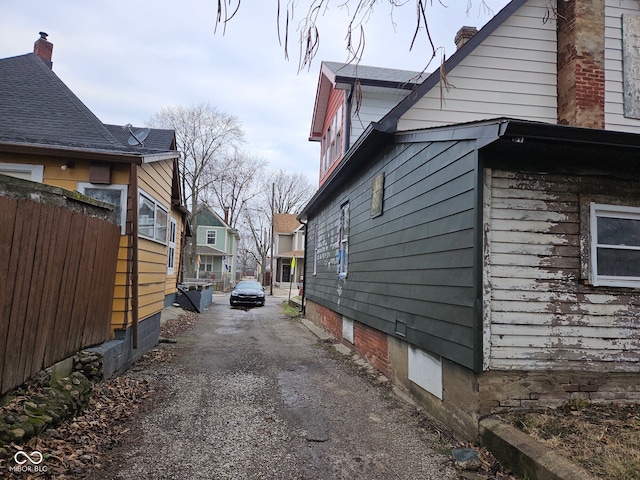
(156, 157)
(371, 140)
(70, 152)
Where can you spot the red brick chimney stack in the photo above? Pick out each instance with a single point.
(463, 36)
(44, 49)
(581, 63)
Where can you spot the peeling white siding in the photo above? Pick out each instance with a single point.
(512, 73)
(538, 312)
(614, 94)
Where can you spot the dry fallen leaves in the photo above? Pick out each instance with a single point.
(603, 439)
(76, 448)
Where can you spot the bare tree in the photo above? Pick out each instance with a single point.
(203, 135)
(236, 180)
(256, 228)
(281, 192)
(358, 13)
(291, 191)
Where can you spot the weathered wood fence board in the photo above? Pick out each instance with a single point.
(57, 272)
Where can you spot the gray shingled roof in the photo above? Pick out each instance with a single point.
(367, 74)
(38, 109)
(158, 139)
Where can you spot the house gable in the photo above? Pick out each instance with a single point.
(510, 68)
(349, 97)
(507, 69)
(38, 109)
(208, 217)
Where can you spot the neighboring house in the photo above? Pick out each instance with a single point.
(288, 243)
(48, 135)
(485, 254)
(350, 97)
(216, 248)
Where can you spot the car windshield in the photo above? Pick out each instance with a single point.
(249, 285)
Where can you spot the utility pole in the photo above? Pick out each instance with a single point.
(273, 194)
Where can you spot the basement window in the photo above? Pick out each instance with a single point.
(615, 245)
(115, 195)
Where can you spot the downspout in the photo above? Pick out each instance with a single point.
(304, 268)
(134, 254)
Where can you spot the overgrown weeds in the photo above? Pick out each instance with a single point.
(291, 310)
(603, 439)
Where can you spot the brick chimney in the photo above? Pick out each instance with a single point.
(44, 49)
(581, 63)
(463, 36)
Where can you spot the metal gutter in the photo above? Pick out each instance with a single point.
(157, 157)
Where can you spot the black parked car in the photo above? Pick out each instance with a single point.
(247, 292)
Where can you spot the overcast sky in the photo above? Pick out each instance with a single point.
(127, 59)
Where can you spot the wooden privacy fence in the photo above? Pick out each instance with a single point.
(57, 273)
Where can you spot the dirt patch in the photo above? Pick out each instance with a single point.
(603, 439)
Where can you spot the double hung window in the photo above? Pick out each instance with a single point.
(615, 245)
(152, 219)
(171, 251)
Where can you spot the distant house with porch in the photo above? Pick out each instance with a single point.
(48, 135)
(484, 252)
(288, 244)
(216, 248)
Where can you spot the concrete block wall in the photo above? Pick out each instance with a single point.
(118, 354)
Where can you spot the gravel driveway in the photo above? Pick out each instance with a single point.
(253, 394)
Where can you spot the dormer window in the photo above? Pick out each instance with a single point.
(332, 142)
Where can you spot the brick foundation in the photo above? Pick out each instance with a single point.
(468, 396)
(500, 391)
(372, 345)
(369, 343)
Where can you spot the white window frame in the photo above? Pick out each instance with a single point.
(157, 228)
(315, 249)
(206, 261)
(122, 221)
(610, 211)
(331, 145)
(343, 241)
(36, 172)
(215, 237)
(171, 251)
